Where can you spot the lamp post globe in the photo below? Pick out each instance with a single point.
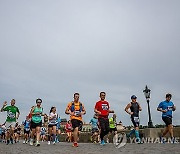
(147, 93)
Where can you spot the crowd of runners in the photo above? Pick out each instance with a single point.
(42, 127)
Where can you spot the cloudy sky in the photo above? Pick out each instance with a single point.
(52, 49)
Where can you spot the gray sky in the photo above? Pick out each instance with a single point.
(51, 49)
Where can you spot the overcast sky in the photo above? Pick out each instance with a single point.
(52, 49)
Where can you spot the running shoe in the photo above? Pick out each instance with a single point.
(54, 143)
(75, 144)
(24, 142)
(31, 142)
(91, 139)
(107, 140)
(162, 140)
(173, 140)
(37, 144)
(49, 142)
(102, 142)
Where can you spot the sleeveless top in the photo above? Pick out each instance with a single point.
(135, 109)
(37, 118)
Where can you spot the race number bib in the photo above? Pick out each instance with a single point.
(105, 107)
(170, 108)
(77, 113)
(136, 119)
(27, 129)
(11, 115)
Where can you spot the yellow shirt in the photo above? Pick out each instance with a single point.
(76, 110)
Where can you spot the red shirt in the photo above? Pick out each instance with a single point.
(68, 127)
(103, 107)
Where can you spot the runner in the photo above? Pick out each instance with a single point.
(95, 130)
(46, 119)
(134, 107)
(102, 110)
(26, 124)
(3, 127)
(52, 125)
(11, 119)
(43, 133)
(58, 129)
(113, 129)
(166, 107)
(36, 122)
(69, 131)
(76, 110)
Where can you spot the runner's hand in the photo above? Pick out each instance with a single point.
(98, 113)
(5, 103)
(164, 110)
(72, 113)
(131, 113)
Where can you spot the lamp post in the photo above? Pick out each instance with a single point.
(147, 95)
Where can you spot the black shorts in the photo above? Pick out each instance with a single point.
(34, 125)
(104, 124)
(3, 134)
(26, 131)
(95, 130)
(113, 130)
(51, 125)
(167, 120)
(76, 123)
(135, 121)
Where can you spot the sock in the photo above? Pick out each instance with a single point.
(137, 133)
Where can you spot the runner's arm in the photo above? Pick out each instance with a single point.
(96, 111)
(161, 110)
(127, 109)
(68, 111)
(174, 108)
(18, 115)
(111, 111)
(140, 109)
(83, 110)
(4, 104)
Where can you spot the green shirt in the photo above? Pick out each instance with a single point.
(112, 123)
(37, 118)
(11, 113)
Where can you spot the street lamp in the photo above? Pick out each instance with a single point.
(147, 95)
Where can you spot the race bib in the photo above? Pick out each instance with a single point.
(170, 108)
(105, 107)
(27, 129)
(77, 113)
(136, 119)
(11, 115)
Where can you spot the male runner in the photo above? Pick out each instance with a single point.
(102, 110)
(167, 107)
(11, 119)
(134, 107)
(76, 110)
